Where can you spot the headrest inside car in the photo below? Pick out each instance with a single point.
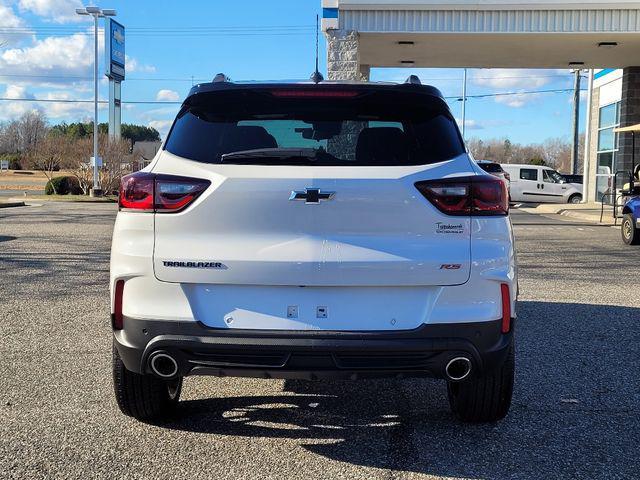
(247, 137)
(382, 146)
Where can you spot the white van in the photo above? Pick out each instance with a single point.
(533, 183)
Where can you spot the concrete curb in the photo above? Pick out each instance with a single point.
(606, 218)
(52, 200)
(12, 204)
(574, 212)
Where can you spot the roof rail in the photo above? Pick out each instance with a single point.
(413, 80)
(221, 77)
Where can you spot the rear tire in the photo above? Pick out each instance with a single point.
(484, 399)
(630, 233)
(575, 199)
(143, 397)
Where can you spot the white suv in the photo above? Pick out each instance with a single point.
(313, 231)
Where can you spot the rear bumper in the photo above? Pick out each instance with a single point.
(200, 350)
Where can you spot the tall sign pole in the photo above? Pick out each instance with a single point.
(115, 71)
(96, 162)
(97, 190)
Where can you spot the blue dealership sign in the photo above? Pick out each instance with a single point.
(114, 46)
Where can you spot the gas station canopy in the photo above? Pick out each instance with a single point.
(490, 33)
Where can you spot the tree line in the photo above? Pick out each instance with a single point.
(30, 142)
(554, 152)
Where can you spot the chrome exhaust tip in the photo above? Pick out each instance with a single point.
(458, 369)
(163, 365)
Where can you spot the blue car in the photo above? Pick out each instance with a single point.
(631, 221)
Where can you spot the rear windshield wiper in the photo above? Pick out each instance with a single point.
(309, 154)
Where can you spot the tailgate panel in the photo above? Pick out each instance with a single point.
(347, 309)
(377, 230)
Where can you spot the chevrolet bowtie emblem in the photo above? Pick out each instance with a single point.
(311, 195)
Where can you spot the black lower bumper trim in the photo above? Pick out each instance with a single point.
(200, 350)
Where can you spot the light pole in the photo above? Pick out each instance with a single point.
(464, 103)
(95, 12)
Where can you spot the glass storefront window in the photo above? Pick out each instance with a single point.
(603, 186)
(606, 139)
(609, 118)
(609, 115)
(605, 163)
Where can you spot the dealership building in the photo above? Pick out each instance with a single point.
(602, 37)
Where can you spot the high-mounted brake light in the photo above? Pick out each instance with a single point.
(150, 192)
(481, 195)
(506, 308)
(117, 319)
(314, 93)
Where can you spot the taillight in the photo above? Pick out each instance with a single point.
(136, 191)
(117, 319)
(506, 308)
(476, 196)
(151, 192)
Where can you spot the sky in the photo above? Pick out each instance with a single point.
(46, 52)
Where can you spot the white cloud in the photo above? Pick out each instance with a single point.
(58, 11)
(16, 109)
(56, 111)
(470, 124)
(55, 56)
(134, 66)
(75, 111)
(162, 126)
(167, 95)
(518, 100)
(503, 78)
(10, 20)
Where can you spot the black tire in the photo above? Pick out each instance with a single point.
(484, 399)
(630, 233)
(143, 397)
(575, 199)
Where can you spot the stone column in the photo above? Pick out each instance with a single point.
(592, 162)
(343, 56)
(629, 115)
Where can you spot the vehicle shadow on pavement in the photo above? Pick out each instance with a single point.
(574, 409)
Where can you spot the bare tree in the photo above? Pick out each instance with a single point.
(79, 166)
(23, 134)
(49, 154)
(32, 128)
(116, 162)
(554, 152)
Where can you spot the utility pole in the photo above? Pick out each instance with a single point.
(576, 122)
(464, 103)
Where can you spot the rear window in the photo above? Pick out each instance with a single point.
(373, 129)
(491, 167)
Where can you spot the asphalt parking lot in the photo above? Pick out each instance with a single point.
(575, 410)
